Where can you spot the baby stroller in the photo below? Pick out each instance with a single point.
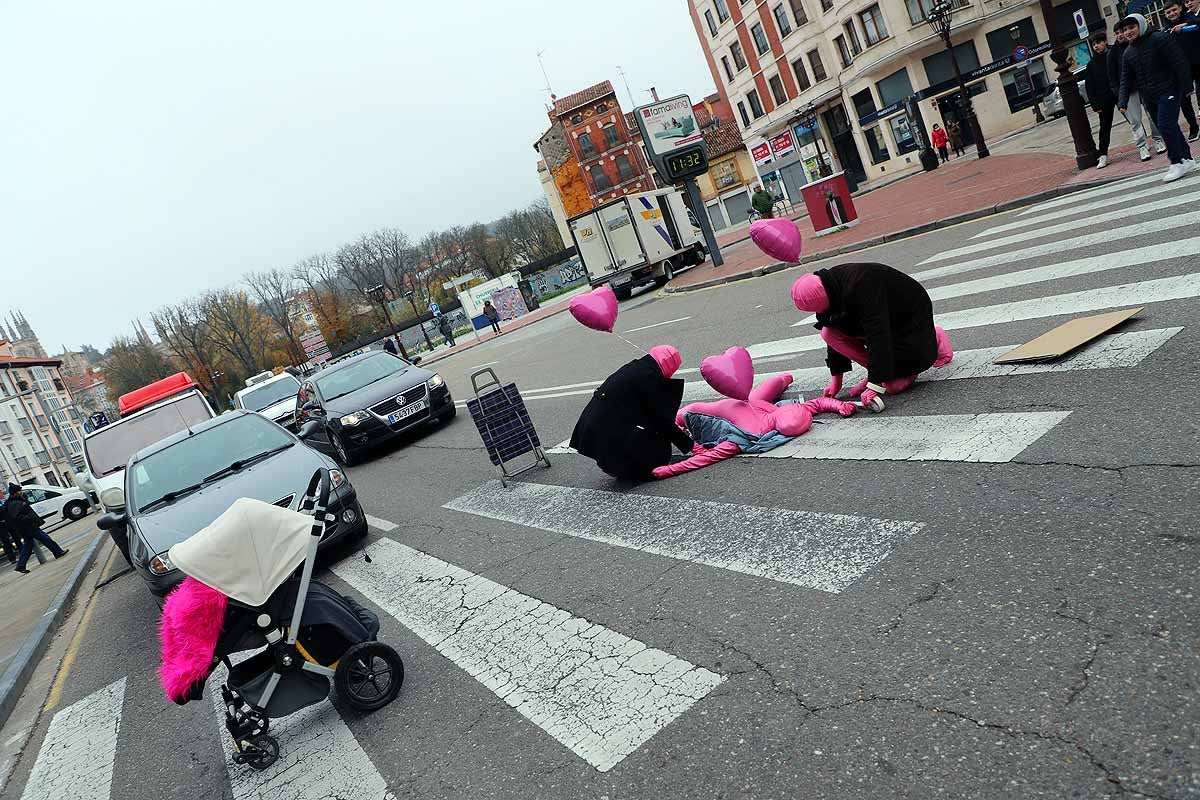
(250, 587)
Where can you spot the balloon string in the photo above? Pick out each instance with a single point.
(631, 344)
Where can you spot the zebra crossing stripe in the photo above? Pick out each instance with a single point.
(1060, 246)
(319, 757)
(599, 693)
(76, 758)
(1072, 269)
(817, 551)
(1093, 222)
(1117, 187)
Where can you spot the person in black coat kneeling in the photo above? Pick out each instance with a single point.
(875, 316)
(628, 426)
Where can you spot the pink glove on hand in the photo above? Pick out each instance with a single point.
(835, 386)
(868, 398)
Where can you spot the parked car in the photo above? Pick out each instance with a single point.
(56, 502)
(1053, 102)
(273, 396)
(369, 399)
(179, 485)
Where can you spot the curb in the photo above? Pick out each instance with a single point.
(12, 684)
(446, 354)
(906, 233)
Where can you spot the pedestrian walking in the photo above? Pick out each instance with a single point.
(941, 140)
(1155, 65)
(493, 316)
(1145, 131)
(21, 518)
(446, 329)
(763, 202)
(1101, 97)
(1189, 40)
(10, 549)
(954, 128)
(390, 346)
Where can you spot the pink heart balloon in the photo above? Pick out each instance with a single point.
(778, 238)
(597, 309)
(731, 374)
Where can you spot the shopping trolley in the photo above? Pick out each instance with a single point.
(504, 425)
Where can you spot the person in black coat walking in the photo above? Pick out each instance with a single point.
(877, 316)
(1177, 18)
(1155, 65)
(446, 329)
(10, 549)
(26, 522)
(628, 426)
(1101, 97)
(1137, 114)
(493, 316)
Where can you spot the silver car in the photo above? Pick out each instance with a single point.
(1053, 105)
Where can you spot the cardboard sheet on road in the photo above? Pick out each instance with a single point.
(1067, 337)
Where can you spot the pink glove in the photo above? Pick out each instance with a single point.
(858, 388)
(835, 386)
(870, 398)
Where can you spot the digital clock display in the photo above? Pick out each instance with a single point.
(686, 163)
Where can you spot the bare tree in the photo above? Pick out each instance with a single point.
(274, 290)
(237, 327)
(491, 254)
(133, 363)
(531, 232)
(183, 329)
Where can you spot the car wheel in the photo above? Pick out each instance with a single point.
(75, 510)
(345, 455)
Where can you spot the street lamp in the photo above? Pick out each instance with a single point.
(940, 19)
(808, 118)
(1077, 119)
(377, 294)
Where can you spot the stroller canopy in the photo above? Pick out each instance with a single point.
(248, 551)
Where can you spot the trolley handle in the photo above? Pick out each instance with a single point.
(477, 386)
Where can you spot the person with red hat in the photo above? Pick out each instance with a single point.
(877, 317)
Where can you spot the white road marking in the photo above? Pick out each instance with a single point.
(1072, 269)
(655, 325)
(597, 692)
(1090, 194)
(818, 551)
(381, 524)
(590, 384)
(76, 758)
(1093, 222)
(319, 758)
(486, 364)
(1061, 246)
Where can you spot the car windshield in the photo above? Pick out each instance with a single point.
(267, 395)
(344, 380)
(189, 462)
(110, 448)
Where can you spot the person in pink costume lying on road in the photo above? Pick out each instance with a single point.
(877, 317)
(726, 428)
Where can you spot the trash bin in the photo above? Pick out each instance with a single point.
(830, 207)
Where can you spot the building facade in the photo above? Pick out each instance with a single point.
(41, 429)
(728, 184)
(855, 61)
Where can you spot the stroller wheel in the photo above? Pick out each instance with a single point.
(263, 752)
(369, 675)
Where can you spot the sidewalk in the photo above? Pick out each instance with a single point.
(1027, 167)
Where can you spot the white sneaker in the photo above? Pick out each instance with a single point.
(1102, 162)
(1144, 153)
(1174, 173)
(1159, 147)
(1190, 164)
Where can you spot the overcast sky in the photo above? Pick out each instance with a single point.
(154, 149)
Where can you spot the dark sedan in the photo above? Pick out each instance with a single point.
(179, 485)
(369, 399)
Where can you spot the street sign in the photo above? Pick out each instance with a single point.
(1081, 26)
(435, 309)
(761, 153)
(669, 125)
(1020, 53)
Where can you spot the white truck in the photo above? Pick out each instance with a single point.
(637, 239)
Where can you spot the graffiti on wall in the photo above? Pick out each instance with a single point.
(509, 302)
(554, 279)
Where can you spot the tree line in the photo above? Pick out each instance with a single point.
(225, 335)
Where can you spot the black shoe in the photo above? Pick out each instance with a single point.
(63, 553)
(21, 570)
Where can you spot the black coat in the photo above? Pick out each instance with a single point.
(1116, 52)
(1095, 80)
(21, 518)
(1153, 64)
(1189, 40)
(628, 426)
(887, 307)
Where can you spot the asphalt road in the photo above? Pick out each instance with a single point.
(1001, 604)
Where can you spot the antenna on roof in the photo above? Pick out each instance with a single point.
(625, 80)
(545, 75)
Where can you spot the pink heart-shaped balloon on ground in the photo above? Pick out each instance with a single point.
(778, 238)
(731, 373)
(597, 309)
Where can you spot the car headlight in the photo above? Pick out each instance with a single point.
(436, 381)
(161, 564)
(336, 479)
(355, 418)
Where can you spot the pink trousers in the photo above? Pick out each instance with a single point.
(855, 349)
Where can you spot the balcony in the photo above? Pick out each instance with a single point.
(22, 463)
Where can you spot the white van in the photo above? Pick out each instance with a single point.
(273, 396)
(56, 503)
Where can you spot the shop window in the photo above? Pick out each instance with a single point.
(1024, 85)
(876, 145)
(902, 133)
(864, 103)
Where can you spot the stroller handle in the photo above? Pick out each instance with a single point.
(316, 498)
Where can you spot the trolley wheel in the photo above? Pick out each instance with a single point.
(369, 675)
(545, 459)
(262, 753)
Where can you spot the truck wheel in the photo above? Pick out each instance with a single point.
(667, 274)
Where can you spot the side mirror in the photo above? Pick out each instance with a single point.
(309, 430)
(111, 520)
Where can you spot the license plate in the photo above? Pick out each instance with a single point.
(406, 412)
(621, 280)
